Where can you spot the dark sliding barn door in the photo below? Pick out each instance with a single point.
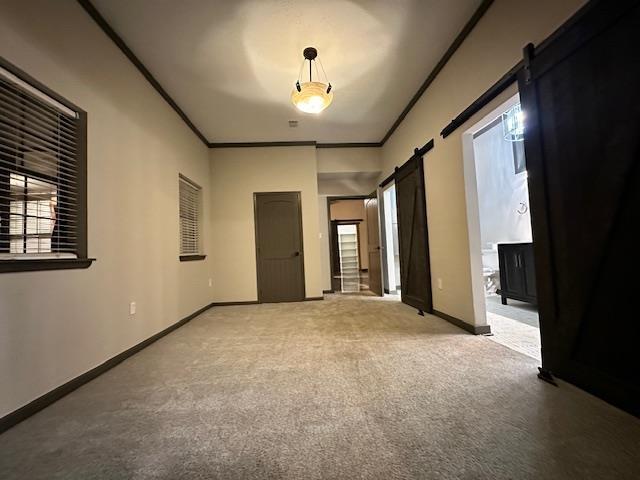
(581, 97)
(373, 240)
(413, 236)
(279, 255)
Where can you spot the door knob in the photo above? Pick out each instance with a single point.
(296, 254)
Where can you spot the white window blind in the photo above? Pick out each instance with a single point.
(39, 191)
(190, 217)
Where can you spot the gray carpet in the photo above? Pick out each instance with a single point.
(352, 387)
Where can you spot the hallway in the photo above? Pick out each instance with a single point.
(352, 284)
(349, 387)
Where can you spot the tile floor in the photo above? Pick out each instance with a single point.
(514, 325)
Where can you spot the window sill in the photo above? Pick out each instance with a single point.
(40, 264)
(191, 258)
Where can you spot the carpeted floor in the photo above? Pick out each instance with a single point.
(351, 387)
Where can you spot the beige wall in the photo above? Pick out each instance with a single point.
(57, 325)
(347, 209)
(491, 49)
(348, 184)
(363, 159)
(236, 174)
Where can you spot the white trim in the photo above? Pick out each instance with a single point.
(36, 256)
(37, 93)
(473, 211)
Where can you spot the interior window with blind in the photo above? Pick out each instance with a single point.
(42, 176)
(190, 218)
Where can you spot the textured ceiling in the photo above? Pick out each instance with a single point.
(231, 65)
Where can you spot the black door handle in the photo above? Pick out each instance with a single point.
(296, 254)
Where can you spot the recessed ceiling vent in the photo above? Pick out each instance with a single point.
(293, 123)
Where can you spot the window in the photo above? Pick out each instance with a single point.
(190, 219)
(42, 177)
(519, 162)
(32, 215)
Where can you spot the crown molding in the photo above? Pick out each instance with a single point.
(464, 33)
(303, 143)
(350, 145)
(106, 28)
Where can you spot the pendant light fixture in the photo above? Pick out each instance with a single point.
(513, 124)
(312, 96)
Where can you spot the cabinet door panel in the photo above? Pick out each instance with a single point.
(514, 281)
(529, 271)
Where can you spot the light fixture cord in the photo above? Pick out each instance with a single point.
(300, 72)
(325, 73)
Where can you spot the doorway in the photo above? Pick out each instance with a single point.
(352, 242)
(391, 249)
(372, 214)
(349, 262)
(500, 234)
(279, 248)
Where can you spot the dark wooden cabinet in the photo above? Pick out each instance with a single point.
(517, 272)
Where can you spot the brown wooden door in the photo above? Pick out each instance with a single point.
(279, 253)
(335, 254)
(413, 236)
(581, 98)
(373, 238)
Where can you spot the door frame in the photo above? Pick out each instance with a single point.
(257, 238)
(332, 252)
(383, 208)
(375, 195)
(356, 222)
(472, 207)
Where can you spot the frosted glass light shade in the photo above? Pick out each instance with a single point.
(312, 97)
(513, 124)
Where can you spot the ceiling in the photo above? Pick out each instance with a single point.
(231, 65)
